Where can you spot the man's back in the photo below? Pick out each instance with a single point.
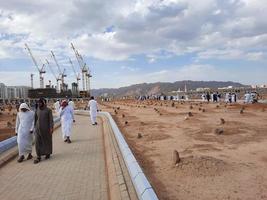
(92, 105)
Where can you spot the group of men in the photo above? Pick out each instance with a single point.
(39, 125)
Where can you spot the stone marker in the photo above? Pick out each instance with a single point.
(218, 131)
(176, 157)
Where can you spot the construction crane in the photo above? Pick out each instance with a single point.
(58, 78)
(88, 76)
(82, 66)
(62, 74)
(77, 76)
(41, 70)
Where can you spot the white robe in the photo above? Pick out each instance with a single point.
(93, 110)
(66, 118)
(247, 98)
(24, 125)
(227, 97)
(57, 106)
(71, 103)
(233, 97)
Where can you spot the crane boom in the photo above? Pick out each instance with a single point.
(54, 57)
(40, 70)
(33, 59)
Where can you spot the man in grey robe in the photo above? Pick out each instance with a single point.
(44, 125)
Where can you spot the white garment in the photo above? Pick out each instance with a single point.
(66, 118)
(24, 125)
(233, 98)
(203, 96)
(247, 98)
(57, 106)
(71, 103)
(227, 97)
(92, 104)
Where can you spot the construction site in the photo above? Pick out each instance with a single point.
(61, 89)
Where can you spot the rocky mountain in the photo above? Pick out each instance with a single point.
(162, 87)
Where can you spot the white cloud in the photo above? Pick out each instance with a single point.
(157, 29)
(140, 27)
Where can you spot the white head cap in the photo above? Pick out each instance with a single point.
(24, 105)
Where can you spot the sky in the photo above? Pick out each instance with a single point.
(127, 42)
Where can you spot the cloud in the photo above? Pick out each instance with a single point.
(140, 27)
(156, 30)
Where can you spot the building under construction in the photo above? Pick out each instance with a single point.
(61, 89)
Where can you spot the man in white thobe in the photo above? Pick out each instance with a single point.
(57, 106)
(248, 98)
(71, 103)
(24, 131)
(67, 118)
(92, 105)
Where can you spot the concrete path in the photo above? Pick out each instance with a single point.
(75, 171)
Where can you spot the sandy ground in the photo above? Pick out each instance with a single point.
(7, 123)
(231, 165)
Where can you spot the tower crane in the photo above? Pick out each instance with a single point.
(41, 70)
(87, 75)
(58, 78)
(62, 74)
(82, 66)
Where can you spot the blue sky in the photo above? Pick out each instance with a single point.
(136, 41)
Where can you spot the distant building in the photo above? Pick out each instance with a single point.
(74, 89)
(13, 92)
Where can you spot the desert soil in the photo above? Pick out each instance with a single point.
(230, 163)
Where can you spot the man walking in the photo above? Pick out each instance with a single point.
(24, 131)
(57, 106)
(66, 118)
(44, 125)
(92, 105)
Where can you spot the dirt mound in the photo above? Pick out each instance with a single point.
(197, 166)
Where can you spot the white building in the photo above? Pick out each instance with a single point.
(13, 92)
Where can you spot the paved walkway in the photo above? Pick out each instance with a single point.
(75, 171)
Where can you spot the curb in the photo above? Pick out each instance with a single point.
(142, 186)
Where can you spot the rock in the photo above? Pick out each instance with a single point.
(126, 122)
(139, 135)
(218, 131)
(222, 121)
(190, 114)
(176, 157)
(186, 118)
